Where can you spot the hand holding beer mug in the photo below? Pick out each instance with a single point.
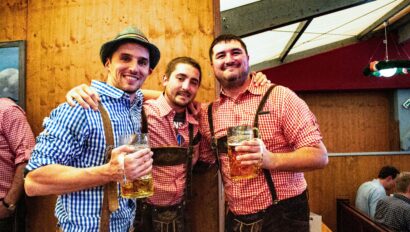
(141, 187)
(236, 135)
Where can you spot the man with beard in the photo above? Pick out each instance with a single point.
(174, 139)
(73, 157)
(289, 143)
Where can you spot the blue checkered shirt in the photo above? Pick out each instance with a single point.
(74, 137)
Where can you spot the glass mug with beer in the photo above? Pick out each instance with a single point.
(143, 186)
(236, 135)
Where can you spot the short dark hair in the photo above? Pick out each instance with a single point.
(387, 171)
(403, 182)
(226, 38)
(183, 60)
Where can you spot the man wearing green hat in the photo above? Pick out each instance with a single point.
(73, 157)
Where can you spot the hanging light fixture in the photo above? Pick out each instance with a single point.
(387, 68)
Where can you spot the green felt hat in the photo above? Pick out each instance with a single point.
(130, 34)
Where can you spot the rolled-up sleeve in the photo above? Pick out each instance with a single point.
(18, 134)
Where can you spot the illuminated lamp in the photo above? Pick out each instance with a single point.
(387, 68)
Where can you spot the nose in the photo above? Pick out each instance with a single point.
(185, 84)
(229, 58)
(133, 66)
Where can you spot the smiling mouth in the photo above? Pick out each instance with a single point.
(132, 77)
(186, 95)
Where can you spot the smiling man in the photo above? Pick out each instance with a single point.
(289, 143)
(175, 139)
(69, 159)
(174, 132)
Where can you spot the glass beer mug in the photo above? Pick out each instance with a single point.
(143, 186)
(236, 135)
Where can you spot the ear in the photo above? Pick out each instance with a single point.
(149, 71)
(164, 80)
(107, 63)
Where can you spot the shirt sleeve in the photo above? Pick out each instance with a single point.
(205, 150)
(300, 126)
(18, 134)
(373, 200)
(62, 140)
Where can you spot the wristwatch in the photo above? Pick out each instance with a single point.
(10, 207)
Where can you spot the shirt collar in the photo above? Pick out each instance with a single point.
(113, 92)
(252, 89)
(401, 197)
(165, 109)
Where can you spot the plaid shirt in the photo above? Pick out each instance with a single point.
(16, 142)
(169, 181)
(74, 136)
(287, 125)
(394, 212)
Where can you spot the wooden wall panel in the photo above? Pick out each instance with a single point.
(355, 121)
(13, 15)
(341, 179)
(64, 38)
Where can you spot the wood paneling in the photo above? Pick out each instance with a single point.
(64, 38)
(13, 15)
(63, 42)
(355, 121)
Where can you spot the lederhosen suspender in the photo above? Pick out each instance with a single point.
(170, 156)
(266, 172)
(110, 198)
(220, 145)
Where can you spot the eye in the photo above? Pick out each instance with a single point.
(195, 82)
(179, 77)
(220, 56)
(143, 62)
(125, 58)
(237, 52)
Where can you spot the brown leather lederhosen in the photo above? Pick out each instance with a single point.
(220, 145)
(168, 218)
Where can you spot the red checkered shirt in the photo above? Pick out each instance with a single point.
(16, 142)
(169, 181)
(286, 125)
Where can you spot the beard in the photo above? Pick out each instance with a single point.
(233, 81)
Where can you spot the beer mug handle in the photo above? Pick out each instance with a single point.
(255, 132)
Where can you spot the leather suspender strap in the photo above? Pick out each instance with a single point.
(144, 122)
(188, 167)
(260, 108)
(110, 199)
(214, 140)
(266, 172)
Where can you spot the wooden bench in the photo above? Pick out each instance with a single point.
(349, 219)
